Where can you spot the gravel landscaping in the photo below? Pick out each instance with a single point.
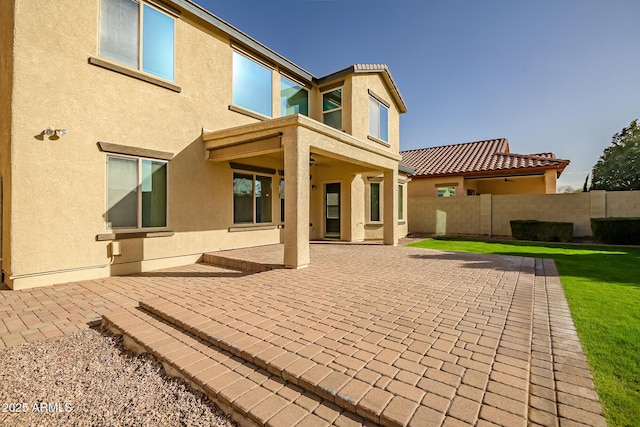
(90, 379)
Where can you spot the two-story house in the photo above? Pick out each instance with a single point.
(140, 134)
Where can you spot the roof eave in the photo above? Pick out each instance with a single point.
(243, 38)
(498, 172)
(387, 77)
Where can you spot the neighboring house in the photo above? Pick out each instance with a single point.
(138, 135)
(482, 167)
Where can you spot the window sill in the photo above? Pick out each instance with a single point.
(379, 141)
(133, 73)
(120, 235)
(254, 227)
(249, 113)
(374, 224)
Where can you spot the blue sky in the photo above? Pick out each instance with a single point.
(549, 75)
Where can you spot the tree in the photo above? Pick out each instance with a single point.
(619, 166)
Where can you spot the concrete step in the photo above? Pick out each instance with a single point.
(250, 394)
(238, 264)
(332, 382)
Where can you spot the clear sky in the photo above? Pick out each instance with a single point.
(549, 75)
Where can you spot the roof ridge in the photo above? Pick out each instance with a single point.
(457, 144)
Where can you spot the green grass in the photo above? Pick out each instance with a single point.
(602, 286)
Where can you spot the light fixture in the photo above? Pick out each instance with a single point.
(54, 132)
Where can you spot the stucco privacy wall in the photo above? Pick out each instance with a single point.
(490, 215)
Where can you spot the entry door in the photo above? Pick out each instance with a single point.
(332, 210)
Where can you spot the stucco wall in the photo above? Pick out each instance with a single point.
(623, 203)
(540, 184)
(490, 214)
(59, 184)
(6, 88)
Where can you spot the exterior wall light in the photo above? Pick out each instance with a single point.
(51, 132)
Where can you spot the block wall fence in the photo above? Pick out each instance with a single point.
(489, 215)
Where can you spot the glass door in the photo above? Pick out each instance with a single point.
(332, 210)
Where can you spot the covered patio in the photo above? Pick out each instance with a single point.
(296, 147)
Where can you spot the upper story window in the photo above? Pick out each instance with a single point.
(252, 85)
(378, 119)
(294, 99)
(138, 35)
(136, 192)
(332, 108)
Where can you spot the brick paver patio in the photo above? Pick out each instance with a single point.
(393, 335)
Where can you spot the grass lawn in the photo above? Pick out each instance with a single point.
(602, 285)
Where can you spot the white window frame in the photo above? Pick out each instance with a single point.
(253, 197)
(447, 190)
(341, 88)
(141, 5)
(401, 204)
(373, 99)
(139, 226)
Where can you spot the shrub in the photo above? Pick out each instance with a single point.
(545, 231)
(618, 231)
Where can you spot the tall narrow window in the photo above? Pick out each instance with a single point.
(264, 196)
(136, 193)
(332, 108)
(252, 198)
(400, 202)
(122, 32)
(294, 99)
(378, 119)
(282, 200)
(375, 201)
(252, 86)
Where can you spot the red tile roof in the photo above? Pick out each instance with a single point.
(473, 158)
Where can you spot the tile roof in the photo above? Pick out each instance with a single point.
(478, 157)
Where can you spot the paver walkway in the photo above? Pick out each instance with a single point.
(397, 335)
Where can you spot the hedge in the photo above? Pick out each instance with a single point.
(618, 231)
(545, 231)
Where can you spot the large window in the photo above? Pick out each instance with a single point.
(136, 193)
(294, 99)
(332, 108)
(252, 195)
(374, 193)
(378, 119)
(252, 86)
(138, 35)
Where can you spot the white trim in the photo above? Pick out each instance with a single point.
(335, 109)
(253, 196)
(139, 227)
(153, 5)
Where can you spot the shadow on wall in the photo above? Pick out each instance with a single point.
(199, 192)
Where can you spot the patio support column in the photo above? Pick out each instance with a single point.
(391, 207)
(296, 200)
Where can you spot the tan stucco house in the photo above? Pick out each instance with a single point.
(136, 135)
(481, 167)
